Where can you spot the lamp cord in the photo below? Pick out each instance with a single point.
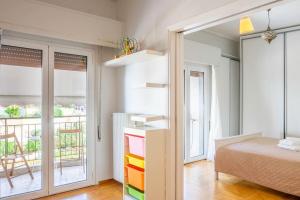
(1, 32)
(269, 20)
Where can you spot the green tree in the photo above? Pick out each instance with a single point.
(13, 111)
(58, 111)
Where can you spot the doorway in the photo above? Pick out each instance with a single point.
(177, 32)
(45, 105)
(197, 111)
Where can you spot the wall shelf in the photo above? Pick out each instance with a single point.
(147, 118)
(154, 85)
(141, 56)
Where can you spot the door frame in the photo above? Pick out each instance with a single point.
(45, 128)
(90, 119)
(206, 69)
(176, 31)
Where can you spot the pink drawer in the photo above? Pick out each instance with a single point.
(136, 145)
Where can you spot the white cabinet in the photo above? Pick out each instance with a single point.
(263, 86)
(228, 81)
(223, 93)
(293, 83)
(234, 107)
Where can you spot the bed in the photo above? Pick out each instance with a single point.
(258, 159)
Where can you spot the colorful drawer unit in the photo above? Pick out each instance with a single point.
(144, 163)
(136, 145)
(137, 194)
(136, 161)
(135, 177)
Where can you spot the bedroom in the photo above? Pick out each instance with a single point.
(237, 83)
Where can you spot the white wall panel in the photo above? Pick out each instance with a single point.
(263, 86)
(293, 83)
(223, 88)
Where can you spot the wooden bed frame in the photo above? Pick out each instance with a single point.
(231, 140)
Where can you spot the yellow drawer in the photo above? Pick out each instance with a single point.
(136, 161)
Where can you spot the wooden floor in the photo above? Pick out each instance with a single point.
(199, 184)
(110, 190)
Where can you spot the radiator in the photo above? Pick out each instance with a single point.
(120, 121)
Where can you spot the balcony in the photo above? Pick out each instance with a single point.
(69, 152)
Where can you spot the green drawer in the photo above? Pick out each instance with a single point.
(135, 193)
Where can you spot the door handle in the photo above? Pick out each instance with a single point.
(99, 133)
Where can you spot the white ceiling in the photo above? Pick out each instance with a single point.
(282, 16)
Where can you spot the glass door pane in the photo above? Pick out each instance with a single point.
(70, 84)
(21, 130)
(196, 110)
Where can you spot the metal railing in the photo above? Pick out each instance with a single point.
(29, 132)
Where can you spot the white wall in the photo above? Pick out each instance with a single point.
(228, 46)
(211, 55)
(38, 18)
(147, 21)
(135, 99)
(104, 8)
(109, 105)
(201, 53)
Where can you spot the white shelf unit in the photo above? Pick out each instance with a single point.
(138, 57)
(154, 170)
(146, 118)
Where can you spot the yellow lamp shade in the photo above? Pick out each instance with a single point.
(246, 25)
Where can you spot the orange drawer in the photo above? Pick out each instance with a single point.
(135, 177)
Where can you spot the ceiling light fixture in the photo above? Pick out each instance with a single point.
(269, 35)
(246, 25)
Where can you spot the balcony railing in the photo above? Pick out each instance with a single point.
(29, 132)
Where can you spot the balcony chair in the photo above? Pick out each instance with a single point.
(7, 160)
(64, 134)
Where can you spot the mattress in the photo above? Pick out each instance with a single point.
(260, 161)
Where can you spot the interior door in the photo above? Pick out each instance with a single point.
(197, 107)
(23, 119)
(72, 126)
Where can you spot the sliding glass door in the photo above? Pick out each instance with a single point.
(46, 123)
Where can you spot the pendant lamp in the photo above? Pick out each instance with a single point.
(269, 35)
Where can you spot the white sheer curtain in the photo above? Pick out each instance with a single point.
(215, 119)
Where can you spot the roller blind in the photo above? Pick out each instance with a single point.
(18, 56)
(71, 62)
